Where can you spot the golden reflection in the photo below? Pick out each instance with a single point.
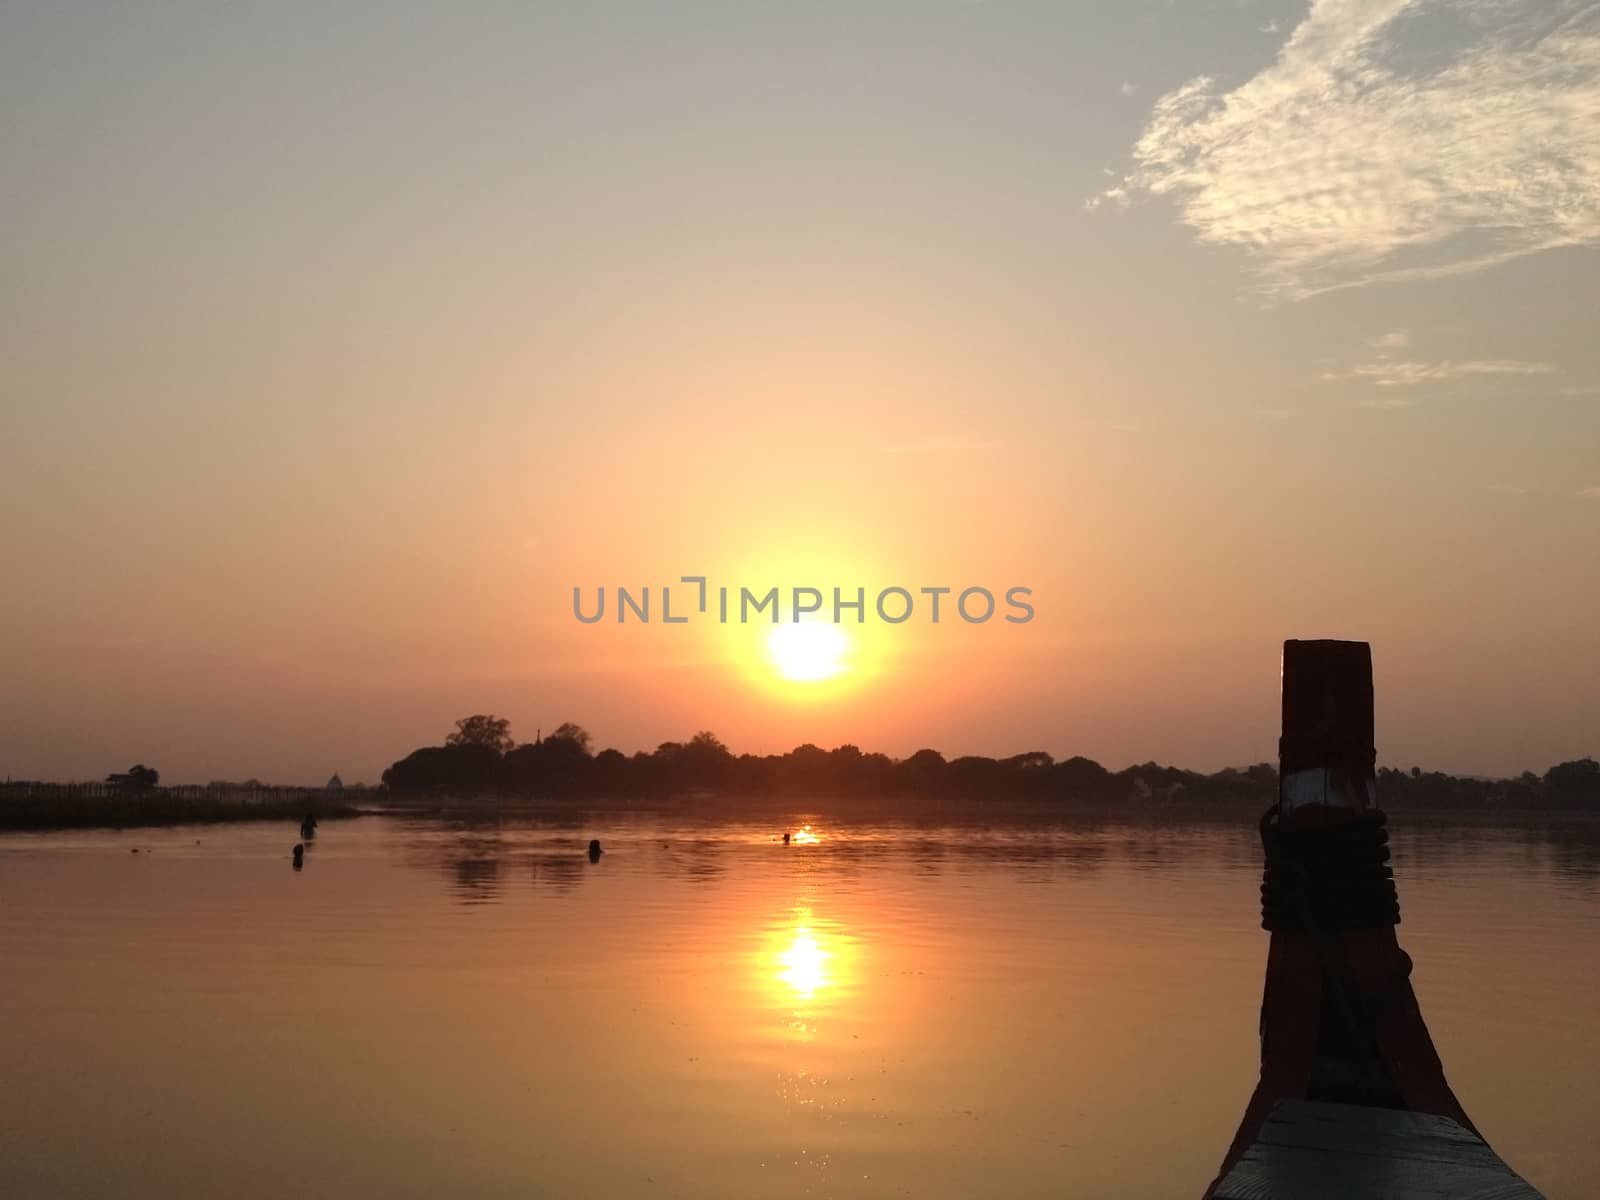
(806, 836)
(804, 963)
(806, 959)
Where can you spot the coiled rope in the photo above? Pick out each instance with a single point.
(1324, 878)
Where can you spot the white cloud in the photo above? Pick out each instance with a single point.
(1398, 340)
(1128, 89)
(1391, 373)
(1590, 493)
(1391, 139)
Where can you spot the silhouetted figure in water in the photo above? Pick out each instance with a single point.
(786, 839)
(308, 827)
(299, 856)
(594, 850)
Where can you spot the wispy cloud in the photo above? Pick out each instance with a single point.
(939, 444)
(1509, 489)
(1390, 342)
(1128, 89)
(1396, 373)
(1391, 139)
(1590, 493)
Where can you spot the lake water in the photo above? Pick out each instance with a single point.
(436, 1008)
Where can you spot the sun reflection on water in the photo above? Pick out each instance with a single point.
(804, 962)
(807, 965)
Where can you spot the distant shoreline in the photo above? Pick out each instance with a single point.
(45, 806)
(43, 815)
(480, 773)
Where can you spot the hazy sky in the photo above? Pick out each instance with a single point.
(338, 343)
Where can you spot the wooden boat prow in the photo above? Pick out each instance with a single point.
(1318, 1150)
(1352, 1101)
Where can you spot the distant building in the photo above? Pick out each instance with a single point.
(334, 784)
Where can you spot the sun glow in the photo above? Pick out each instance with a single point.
(808, 651)
(808, 967)
(804, 963)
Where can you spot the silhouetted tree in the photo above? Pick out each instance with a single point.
(973, 776)
(460, 766)
(1033, 760)
(577, 734)
(475, 761)
(482, 729)
(1082, 778)
(705, 761)
(1576, 782)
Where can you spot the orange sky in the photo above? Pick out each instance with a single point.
(331, 364)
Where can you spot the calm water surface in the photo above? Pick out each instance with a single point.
(433, 1009)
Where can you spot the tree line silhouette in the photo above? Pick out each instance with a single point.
(482, 758)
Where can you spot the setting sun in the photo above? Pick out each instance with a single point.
(808, 651)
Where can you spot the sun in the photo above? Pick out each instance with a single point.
(808, 651)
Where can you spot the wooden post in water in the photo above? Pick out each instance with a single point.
(1352, 1098)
